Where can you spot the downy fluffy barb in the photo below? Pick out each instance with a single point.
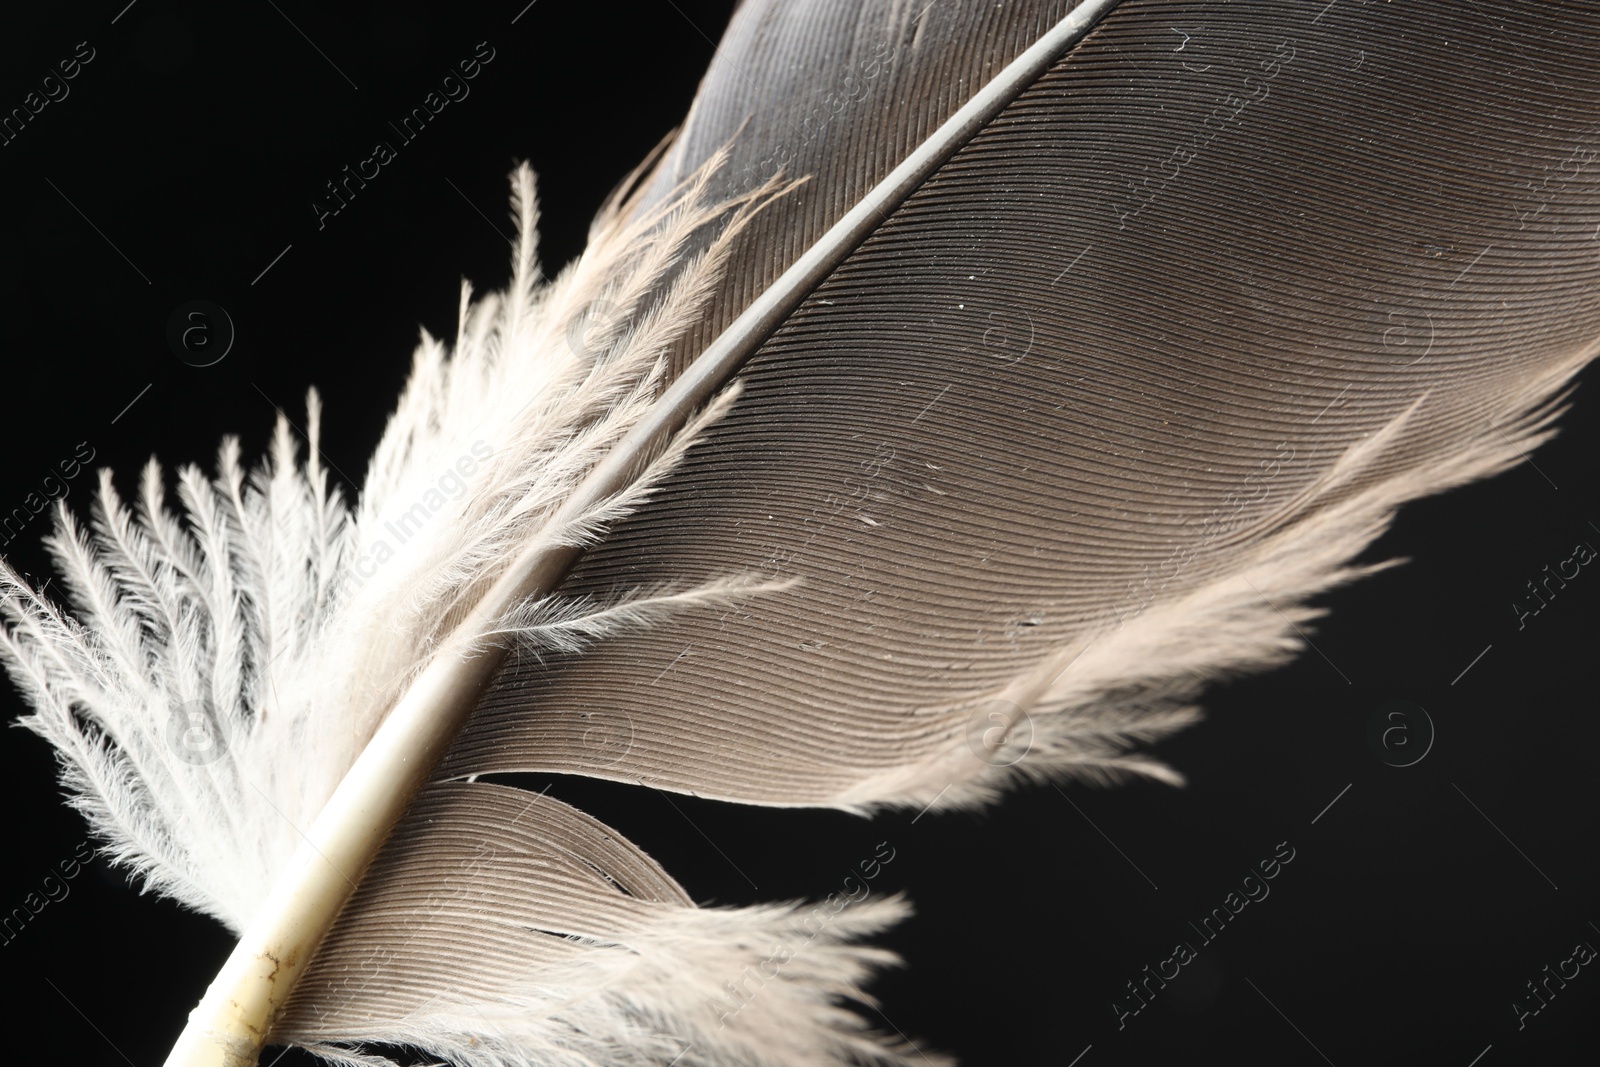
(225, 663)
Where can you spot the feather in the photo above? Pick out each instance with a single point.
(954, 441)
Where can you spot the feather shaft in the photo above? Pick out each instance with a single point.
(735, 345)
(234, 1019)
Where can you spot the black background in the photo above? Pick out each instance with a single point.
(185, 160)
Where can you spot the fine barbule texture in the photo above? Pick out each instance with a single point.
(1118, 388)
(207, 647)
(1084, 421)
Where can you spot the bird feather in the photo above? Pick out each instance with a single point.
(942, 409)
